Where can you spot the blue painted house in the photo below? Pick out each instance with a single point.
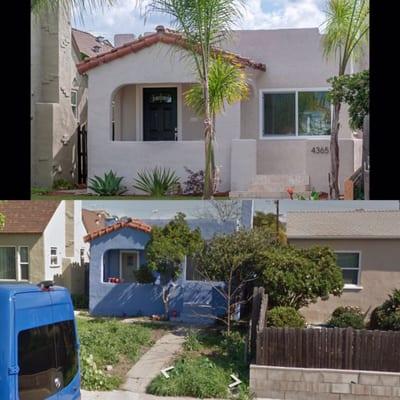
(117, 250)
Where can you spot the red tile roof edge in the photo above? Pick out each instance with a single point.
(133, 224)
(165, 36)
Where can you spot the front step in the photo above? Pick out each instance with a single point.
(275, 187)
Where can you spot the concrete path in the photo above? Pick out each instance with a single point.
(151, 363)
(160, 356)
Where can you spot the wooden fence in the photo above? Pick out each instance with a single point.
(337, 348)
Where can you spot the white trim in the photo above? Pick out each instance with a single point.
(128, 252)
(296, 91)
(58, 258)
(17, 263)
(139, 108)
(352, 285)
(76, 105)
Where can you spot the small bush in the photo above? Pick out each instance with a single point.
(281, 317)
(62, 184)
(40, 191)
(347, 317)
(144, 275)
(192, 342)
(80, 301)
(109, 185)
(158, 182)
(195, 182)
(387, 315)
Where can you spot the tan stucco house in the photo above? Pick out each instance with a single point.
(367, 245)
(42, 240)
(278, 137)
(58, 96)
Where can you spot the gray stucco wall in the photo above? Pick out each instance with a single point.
(379, 274)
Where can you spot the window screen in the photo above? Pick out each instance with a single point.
(47, 360)
(8, 263)
(279, 114)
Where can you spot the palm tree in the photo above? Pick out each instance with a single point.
(346, 34)
(204, 24)
(227, 84)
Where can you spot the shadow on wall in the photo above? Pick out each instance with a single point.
(135, 300)
(74, 277)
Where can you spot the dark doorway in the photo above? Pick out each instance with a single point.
(159, 114)
(82, 154)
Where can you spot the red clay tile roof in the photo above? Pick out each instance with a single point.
(133, 224)
(86, 41)
(162, 35)
(93, 220)
(27, 216)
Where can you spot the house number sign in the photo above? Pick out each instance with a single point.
(320, 150)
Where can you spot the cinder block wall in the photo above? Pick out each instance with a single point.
(322, 384)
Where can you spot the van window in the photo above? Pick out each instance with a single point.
(47, 359)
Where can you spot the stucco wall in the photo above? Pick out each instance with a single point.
(380, 274)
(189, 299)
(53, 74)
(192, 124)
(54, 236)
(36, 252)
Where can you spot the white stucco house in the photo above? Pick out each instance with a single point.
(278, 137)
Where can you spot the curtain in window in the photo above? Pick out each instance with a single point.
(7, 263)
(279, 114)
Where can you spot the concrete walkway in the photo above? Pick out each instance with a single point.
(160, 356)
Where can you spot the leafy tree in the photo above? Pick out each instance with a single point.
(346, 33)
(231, 258)
(295, 277)
(354, 91)
(387, 315)
(204, 23)
(167, 248)
(267, 222)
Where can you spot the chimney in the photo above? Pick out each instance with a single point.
(122, 38)
(160, 28)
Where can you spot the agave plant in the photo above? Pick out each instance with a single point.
(110, 185)
(157, 182)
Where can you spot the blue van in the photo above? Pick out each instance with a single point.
(38, 343)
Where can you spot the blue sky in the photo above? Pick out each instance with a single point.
(126, 17)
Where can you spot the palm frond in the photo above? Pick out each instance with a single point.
(227, 83)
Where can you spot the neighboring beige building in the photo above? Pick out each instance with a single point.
(43, 240)
(367, 244)
(278, 137)
(58, 95)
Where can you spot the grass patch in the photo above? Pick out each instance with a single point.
(110, 342)
(204, 369)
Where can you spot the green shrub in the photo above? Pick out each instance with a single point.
(40, 191)
(158, 182)
(281, 317)
(192, 342)
(347, 317)
(144, 275)
(62, 184)
(387, 315)
(80, 301)
(110, 185)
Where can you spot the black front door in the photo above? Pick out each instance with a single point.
(159, 114)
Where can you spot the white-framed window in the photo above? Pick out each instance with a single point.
(191, 271)
(14, 263)
(288, 113)
(74, 102)
(128, 264)
(350, 263)
(54, 262)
